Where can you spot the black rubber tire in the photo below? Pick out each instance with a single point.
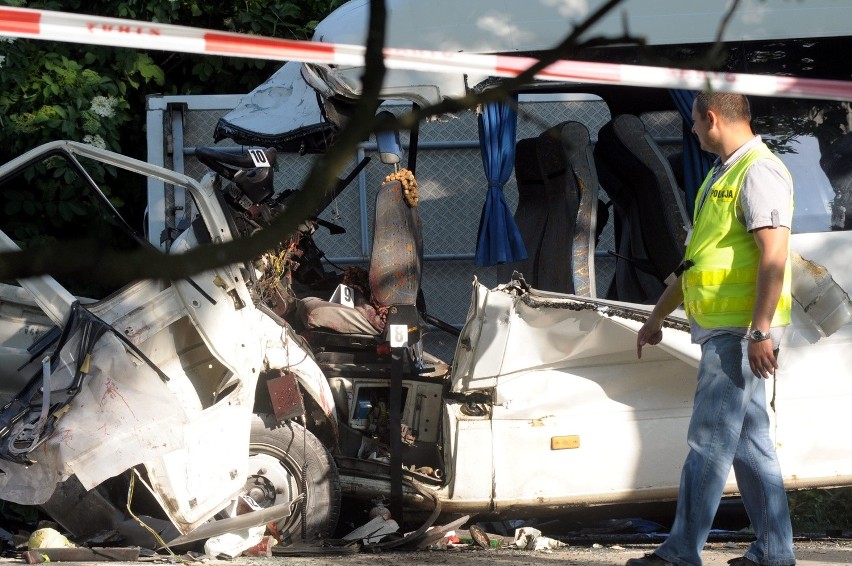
(293, 448)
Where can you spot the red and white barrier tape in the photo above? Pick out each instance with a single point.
(115, 32)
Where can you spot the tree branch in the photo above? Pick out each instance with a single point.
(90, 258)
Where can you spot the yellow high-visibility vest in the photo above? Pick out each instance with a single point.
(719, 289)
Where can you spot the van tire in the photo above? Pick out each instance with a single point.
(278, 454)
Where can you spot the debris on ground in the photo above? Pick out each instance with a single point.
(529, 538)
(233, 544)
(246, 529)
(479, 536)
(374, 530)
(379, 509)
(80, 554)
(439, 535)
(263, 548)
(49, 538)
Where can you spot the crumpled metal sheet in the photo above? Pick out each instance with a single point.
(515, 329)
(135, 418)
(283, 112)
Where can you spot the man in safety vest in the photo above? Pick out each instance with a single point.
(734, 284)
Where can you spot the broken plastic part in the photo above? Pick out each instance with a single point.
(822, 299)
(26, 437)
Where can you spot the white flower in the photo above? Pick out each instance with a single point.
(94, 140)
(104, 106)
(4, 39)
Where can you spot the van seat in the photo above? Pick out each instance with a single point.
(558, 213)
(531, 213)
(395, 272)
(650, 216)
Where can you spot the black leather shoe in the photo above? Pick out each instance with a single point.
(742, 561)
(648, 560)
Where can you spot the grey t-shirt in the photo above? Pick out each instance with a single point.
(765, 200)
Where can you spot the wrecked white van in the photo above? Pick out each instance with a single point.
(156, 377)
(242, 381)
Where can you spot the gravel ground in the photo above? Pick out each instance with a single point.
(809, 553)
(825, 552)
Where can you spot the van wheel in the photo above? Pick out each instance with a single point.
(285, 461)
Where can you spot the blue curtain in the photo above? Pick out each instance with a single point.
(499, 240)
(696, 162)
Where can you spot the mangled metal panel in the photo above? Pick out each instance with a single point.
(565, 387)
(283, 112)
(511, 329)
(167, 382)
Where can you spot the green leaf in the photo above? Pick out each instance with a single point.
(78, 209)
(65, 212)
(67, 192)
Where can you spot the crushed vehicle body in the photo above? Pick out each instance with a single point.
(149, 378)
(294, 385)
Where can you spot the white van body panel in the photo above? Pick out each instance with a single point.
(562, 367)
(512, 26)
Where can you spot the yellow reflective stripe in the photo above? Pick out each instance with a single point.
(708, 277)
(718, 305)
(732, 305)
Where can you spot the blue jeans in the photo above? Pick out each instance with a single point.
(730, 426)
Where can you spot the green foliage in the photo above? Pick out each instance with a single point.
(816, 510)
(47, 89)
(48, 95)
(51, 90)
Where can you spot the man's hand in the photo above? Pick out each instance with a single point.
(650, 333)
(761, 358)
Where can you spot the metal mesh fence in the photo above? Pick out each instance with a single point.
(452, 192)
